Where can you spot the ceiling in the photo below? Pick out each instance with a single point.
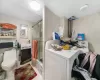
(70, 8)
(20, 9)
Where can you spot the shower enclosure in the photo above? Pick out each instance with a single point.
(37, 34)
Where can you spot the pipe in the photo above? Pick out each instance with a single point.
(37, 23)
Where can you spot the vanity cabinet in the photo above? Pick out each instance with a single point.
(25, 55)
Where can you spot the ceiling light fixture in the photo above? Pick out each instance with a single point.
(35, 5)
(84, 7)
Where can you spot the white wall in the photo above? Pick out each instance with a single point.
(51, 23)
(90, 25)
(17, 22)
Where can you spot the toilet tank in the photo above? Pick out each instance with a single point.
(6, 45)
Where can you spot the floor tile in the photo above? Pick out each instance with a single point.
(38, 77)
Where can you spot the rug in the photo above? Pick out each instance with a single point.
(25, 73)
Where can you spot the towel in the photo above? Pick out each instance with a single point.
(34, 49)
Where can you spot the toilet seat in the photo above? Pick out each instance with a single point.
(9, 60)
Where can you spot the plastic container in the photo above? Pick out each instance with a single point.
(81, 36)
(56, 36)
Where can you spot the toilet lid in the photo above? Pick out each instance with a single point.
(9, 58)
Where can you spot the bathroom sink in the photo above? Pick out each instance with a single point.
(25, 46)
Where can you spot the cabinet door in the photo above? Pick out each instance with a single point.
(55, 67)
(25, 55)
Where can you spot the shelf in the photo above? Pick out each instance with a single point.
(7, 37)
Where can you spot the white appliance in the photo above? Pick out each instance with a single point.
(9, 63)
(58, 64)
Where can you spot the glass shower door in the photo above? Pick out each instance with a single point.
(37, 34)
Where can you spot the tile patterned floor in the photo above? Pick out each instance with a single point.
(38, 77)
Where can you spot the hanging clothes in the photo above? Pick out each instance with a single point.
(92, 61)
(85, 64)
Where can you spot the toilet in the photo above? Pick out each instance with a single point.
(9, 63)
